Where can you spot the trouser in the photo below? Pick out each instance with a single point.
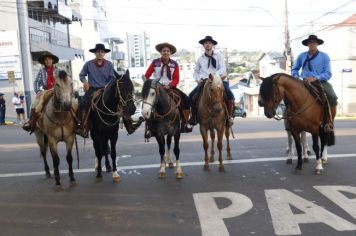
(184, 110)
(194, 96)
(85, 104)
(330, 93)
(2, 115)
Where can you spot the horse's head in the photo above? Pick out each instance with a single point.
(63, 92)
(149, 94)
(270, 95)
(214, 90)
(126, 94)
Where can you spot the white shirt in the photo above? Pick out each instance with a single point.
(17, 102)
(202, 70)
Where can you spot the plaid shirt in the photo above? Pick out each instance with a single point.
(41, 80)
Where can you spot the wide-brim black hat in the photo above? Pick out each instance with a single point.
(312, 38)
(206, 39)
(47, 54)
(168, 45)
(99, 46)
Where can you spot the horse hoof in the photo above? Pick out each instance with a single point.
(318, 172)
(116, 179)
(58, 188)
(72, 183)
(222, 168)
(206, 167)
(305, 159)
(211, 159)
(180, 175)
(108, 169)
(289, 161)
(162, 175)
(170, 165)
(324, 161)
(228, 157)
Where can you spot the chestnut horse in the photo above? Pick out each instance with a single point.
(162, 115)
(56, 124)
(304, 112)
(212, 115)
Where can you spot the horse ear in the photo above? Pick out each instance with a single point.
(127, 72)
(261, 78)
(211, 77)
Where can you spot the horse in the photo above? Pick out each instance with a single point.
(163, 118)
(108, 106)
(212, 115)
(56, 124)
(304, 112)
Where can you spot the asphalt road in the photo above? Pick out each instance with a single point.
(258, 194)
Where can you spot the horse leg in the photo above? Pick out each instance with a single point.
(298, 146)
(316, 149)
(43, 143)
(107, 162)
(98, 153)
(212, 146)
(167, 154)
(161, 144)
(176, 150)
(69, 158)
(303, 138)
(228, 149)
(204, 135)
(220, 146)
(116, 177)
(289, 148)
(324, 154)
(55, 158)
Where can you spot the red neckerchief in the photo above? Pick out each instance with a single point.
(96, 63)
(50, 77)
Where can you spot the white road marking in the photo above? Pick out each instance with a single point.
(211, 217)
(285, 222)
(149, 166)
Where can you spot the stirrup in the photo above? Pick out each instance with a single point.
(186, 129)
(229, 122)
(328, 128)
(148, 134)
(82, 132)
(193, 121)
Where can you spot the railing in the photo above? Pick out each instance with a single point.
(48, 35)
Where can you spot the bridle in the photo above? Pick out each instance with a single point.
(108, 112)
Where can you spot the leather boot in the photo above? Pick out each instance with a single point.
(230, 109)
(82, 127)
(184, 127)
(30, 125)
(193, 118)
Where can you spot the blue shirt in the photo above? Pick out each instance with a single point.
(98, 76)
(318, 67)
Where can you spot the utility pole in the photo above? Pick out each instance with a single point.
(26, 61)
(287, 49)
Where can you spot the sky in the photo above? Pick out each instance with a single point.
(245, 25)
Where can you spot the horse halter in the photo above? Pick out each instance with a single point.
(153, 86)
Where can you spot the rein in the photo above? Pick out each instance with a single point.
(120, 106)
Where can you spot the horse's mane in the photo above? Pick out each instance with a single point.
(266, 88)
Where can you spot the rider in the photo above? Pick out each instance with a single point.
(315, 66)
(210, 62)
(166, 72)
(99, 72)
(44, 80)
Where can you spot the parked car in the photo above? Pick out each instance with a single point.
(238, 111)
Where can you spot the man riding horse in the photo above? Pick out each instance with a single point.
(166, 72)
(209, 63)
(316, 69)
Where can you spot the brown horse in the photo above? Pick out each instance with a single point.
(56, 124)
(304, 112)
(212, 115)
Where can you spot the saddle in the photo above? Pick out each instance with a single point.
(317, 91)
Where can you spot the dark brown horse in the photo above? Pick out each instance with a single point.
(56, 124)
(304, 112)
(212, 115)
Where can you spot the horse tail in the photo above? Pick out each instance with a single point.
(330, 138)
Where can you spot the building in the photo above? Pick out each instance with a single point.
(28, 31)
(138, 50)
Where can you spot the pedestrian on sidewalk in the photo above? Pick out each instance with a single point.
(19, 107)
(2, 109)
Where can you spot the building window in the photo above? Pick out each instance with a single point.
(96, 26)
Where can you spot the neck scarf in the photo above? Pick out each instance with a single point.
(99, 65)
(308, 60)
(211, 59)
(50, 77)
(165, 65)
